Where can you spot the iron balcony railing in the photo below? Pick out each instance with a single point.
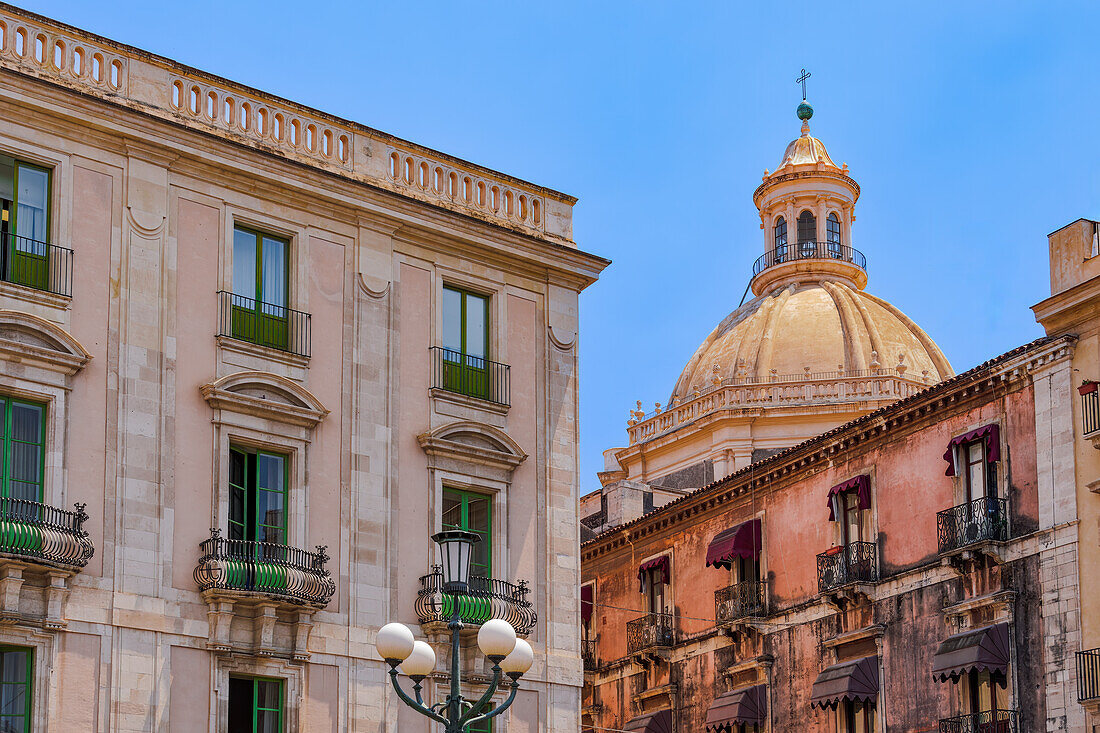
(29, 529)
(1088, 675)
(1090, 411)
(588, 653)
(809, 251)
(486, 598)
(738, 601)
(973, 522)
(856, 562)
(472, 376)
(37, 265)
(651, 631)
(270, 569)
(997, 721)
(266, 324)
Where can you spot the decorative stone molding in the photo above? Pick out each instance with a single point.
(39, 604)
(241, 623)
(473, 442)
(993, 608)
(266, 396)
(29, 339)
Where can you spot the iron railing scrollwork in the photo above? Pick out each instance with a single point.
(650, 631)
(1088, 675)
(265, 567)
(33, 530)
(485, 598)
(472, 376)
(266, 324)
(1090, 411)
(37, 265)
(738, 601)
(809, 251)
(856, 562)
(976, 521)
(588, 653)
(997, 721)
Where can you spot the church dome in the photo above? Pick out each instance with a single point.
(805, 330)
(806, 150)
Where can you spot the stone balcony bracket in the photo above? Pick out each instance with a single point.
(846, 596)
(38, 603)
(965, 559)
(255, 631)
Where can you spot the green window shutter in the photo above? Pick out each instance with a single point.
(256, 705)
(465, 342)
(257, 496)
(25, 192)
(16, 678)
(473, 512)
(24, 446)
(261, 285)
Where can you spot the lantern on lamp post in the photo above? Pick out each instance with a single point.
(416, 659)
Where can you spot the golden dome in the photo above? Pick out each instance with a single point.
(806, 150)
(811, 328)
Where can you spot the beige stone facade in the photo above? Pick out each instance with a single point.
(148, 381)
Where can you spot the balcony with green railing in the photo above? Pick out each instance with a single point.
(484, 599)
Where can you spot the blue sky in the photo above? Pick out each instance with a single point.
(969, 127)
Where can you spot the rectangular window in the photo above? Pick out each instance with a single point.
(853, 518)
(257, 496)
(16, 675)
(745, 570)
(465, 342)
(24, 445)
(24, 222)
(472, 512)
(979, 474)
(655, 591)
(255, 705)
(260, 288)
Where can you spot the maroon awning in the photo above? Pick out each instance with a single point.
(977, 650)
(856, 680)
(992, 436)
(660, 563)
(740, 541)
(586, 603)
(860, 484)
(658, 722)
(745, 705)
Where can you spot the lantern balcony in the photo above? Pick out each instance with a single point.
(44, 535)
(484, 599)
(997, 721)
(652, 632)
(740, 601)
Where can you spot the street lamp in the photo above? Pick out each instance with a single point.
(496, 638)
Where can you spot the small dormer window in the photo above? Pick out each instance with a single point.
(780, 239)
(832, 235)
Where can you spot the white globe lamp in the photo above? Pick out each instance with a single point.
(394, 642)
(496, 638)
(421, 662)
(519, 661)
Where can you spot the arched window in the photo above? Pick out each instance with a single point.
(780, 239)
(832, 235)
(807, 234)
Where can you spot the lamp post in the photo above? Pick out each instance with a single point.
(496, 638)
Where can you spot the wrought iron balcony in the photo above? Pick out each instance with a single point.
(265, 324)
(1090, 409)
(486, 598)
(472, 376)
(652, 631)
(998, 721)
(37, 265)
(981, 520)
(588, 653)
(742, 600)
(1088, 675)
(34, 531)
(856, 562)
(282, 572)
(809, 251)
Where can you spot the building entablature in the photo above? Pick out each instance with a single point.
(161, 88)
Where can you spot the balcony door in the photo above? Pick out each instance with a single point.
(472, 512)
(260, 288)
(257, 496)
(24, 221)
(984, 694)
(465, 343)
(852, 520)
(24, 441)
(978, 477)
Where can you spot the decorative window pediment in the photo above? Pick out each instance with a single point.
(28, 338)
(473, 442)
(265, 395)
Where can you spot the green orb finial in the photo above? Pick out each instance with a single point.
(805, 111)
